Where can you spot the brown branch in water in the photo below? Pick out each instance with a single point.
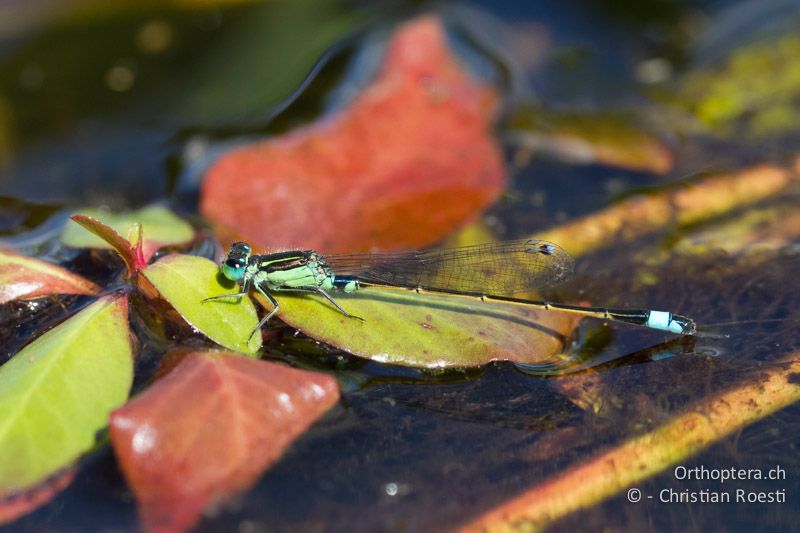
(601, 477)
(702, 200)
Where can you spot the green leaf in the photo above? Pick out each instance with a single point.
(753, 92)
(58, 391)
(185, 281)
(429, 330)
(160, 227)
(263, 61)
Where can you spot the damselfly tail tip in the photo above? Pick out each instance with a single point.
(666, 321)
(686, 325)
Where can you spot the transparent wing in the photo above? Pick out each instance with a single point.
(507, 267)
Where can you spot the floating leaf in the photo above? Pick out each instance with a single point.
(411, 159)
(208, 429)
(19, 504)
(185, 281)
(754, 92)
(160, 228)
(429, 330)
(58, 391)
(24, 278)
(264, 62)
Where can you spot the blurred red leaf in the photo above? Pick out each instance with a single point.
(208, 429)
(409, 160)
(25, 278)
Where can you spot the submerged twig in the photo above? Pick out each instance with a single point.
(601, 477)
(702, 200)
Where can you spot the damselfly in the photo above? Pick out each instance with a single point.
(488, 272)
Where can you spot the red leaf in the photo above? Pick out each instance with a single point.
(25, 278)
(132, 255)
(12, 506)
(409, 160)
(208, 429)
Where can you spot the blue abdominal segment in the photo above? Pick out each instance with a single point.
(345, 283)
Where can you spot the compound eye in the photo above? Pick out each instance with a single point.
(241, 247)
(232, 270)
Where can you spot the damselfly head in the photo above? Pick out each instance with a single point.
(234, 264)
